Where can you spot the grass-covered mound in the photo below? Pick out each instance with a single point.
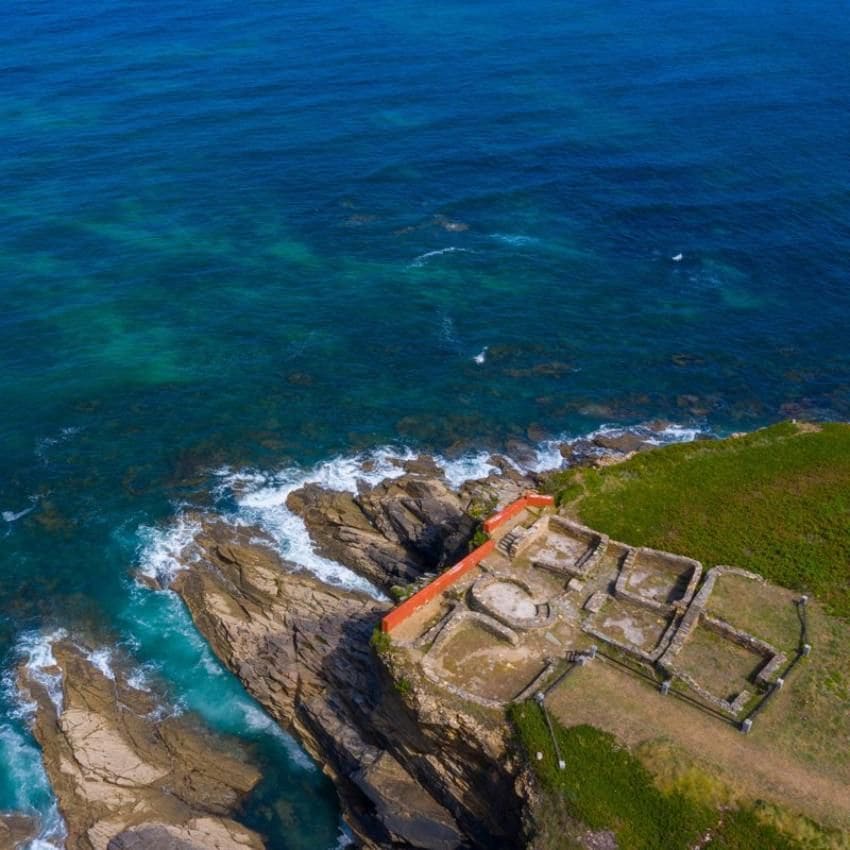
(605, 787)
(776, 501)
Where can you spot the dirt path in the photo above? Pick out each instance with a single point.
(615, 700)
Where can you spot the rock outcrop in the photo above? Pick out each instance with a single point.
(403, 527)
(124, 776)
(425, 775)
(16, 831)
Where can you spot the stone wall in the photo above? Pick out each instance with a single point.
(622, 590)
(596, 544)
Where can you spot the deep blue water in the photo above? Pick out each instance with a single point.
(261, 235)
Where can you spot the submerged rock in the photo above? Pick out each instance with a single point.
(123, 775)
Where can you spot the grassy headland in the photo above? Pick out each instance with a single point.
(776, 501)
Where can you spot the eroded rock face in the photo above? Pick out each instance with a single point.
(429, 777)
(119, 771)
(401, 528)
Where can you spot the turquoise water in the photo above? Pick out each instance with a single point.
(264, 235)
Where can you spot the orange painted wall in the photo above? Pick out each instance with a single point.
(400, 613)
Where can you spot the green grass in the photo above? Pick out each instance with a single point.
(608, 788)
(741, 829)
(776, 501)
(605, 787)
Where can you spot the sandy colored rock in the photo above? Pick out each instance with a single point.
(115, 766)
(197, 834)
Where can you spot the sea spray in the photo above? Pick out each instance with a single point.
(163, 553)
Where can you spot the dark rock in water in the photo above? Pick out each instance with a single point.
(119, 772)
(429, 776)
(624, 443)
(685, 358)
(567, 451)
(300, 379)
(521, 452)
(423, 465)
(536, 433)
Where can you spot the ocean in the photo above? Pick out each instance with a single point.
(252, 242)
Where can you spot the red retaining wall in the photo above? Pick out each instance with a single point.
(532, 500)
(401, 612)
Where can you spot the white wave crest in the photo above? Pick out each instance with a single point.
(258, 721)
(102, 660)
(163, 551)
(481, 356)
(14, 516)
(468, 467)
(676, 434)
(261, 499)
(345, 838)
(420, 261)
(138, 680)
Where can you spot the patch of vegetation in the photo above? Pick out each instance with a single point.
(478, 539)
(742, 829)
(381, 641)
(401, 592)
(604, 786)
(481, 506)
(776, 501)
(403, 686)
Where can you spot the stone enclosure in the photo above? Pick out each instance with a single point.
(552, 590)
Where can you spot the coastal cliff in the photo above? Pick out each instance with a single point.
(410, 771)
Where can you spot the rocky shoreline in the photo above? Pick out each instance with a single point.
(423, 776)
(411, 770)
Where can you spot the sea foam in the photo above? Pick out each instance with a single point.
(19, 755)
(260, 499)
(162, 552)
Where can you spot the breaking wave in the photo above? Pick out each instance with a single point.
(251, 497)
(162, 552)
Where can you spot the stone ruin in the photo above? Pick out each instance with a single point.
(553, 589)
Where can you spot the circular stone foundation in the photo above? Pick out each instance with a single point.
(510, 601)
(507, 598)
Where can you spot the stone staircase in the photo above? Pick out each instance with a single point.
(511, 541)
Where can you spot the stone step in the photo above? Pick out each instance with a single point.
(510, 542)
